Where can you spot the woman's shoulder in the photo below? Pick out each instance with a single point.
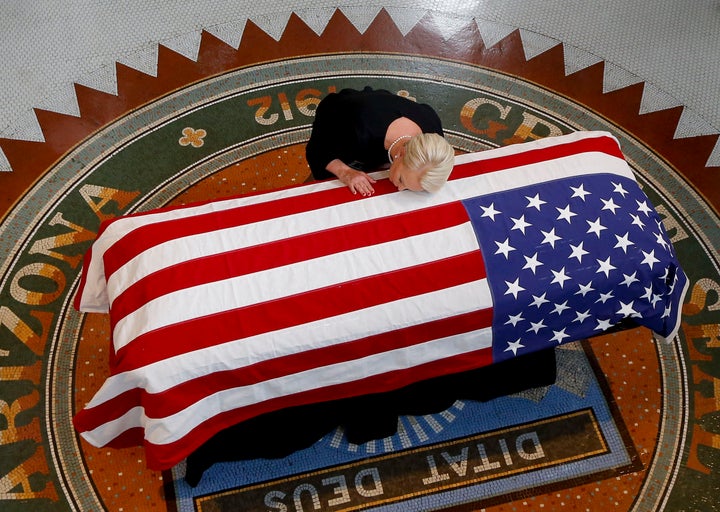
(423, 115)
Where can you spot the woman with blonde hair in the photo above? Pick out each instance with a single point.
(356, 132)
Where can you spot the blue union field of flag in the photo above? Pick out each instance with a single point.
(570, 258)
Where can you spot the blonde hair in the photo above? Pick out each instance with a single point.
(431, 155)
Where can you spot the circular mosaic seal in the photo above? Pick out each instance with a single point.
(243, 132)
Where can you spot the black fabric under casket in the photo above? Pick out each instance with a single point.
(367, 417)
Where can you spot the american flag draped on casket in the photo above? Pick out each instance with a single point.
(229, 309)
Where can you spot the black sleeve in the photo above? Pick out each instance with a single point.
(425, 117)
(329, 138)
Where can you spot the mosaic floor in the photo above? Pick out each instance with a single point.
(657, 405)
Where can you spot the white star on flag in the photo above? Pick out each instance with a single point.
(603, 325)
(559, 336)
(618, 188)
(539, 300)
(490, 211)
(623, 242)
(578, 251)
(536, 326)
(609, 204)
(560, 277)
(596, 227)
(504, 248)
(550, 237)
(604, 297)
(581, 317)
(565, 214)
(605, 267)
(579, 192)
(514, 319)
(532, 262)
(514, 346)
(661, 241)
(535, 202)
(644, 208)
(650, 258)
(514, 288)
(559, 308)
(520, 224)
(585, 289)
(627, 309)
(637, 221)
(630, 279)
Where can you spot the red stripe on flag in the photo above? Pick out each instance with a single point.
(165, 456)
(248, 260)
(182, 396)
(90, 418)
(573, 148)
(177, 398)
(156, 233)
(298, 309)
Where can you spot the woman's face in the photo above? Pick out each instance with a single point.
(403, 177)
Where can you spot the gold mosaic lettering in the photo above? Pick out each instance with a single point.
(711, 332)
(701, 437)
(16, 484)
(10, 412)
(671, 224)
(699, 295)
(307, 101)
(20, 373)
(264, 103)
(105, 195)
(40, 270)
(493, 127)
(705, 403)
(77, 235)
(22, 330)
(285, 106)
(527, 130)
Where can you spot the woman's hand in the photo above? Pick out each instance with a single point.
(357, 181)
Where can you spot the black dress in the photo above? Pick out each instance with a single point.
(351, 125)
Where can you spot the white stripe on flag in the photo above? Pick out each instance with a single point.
(457, 300)
(267, 285)
(94, 296)
(157, 431)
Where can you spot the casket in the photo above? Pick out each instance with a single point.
(228, 310)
